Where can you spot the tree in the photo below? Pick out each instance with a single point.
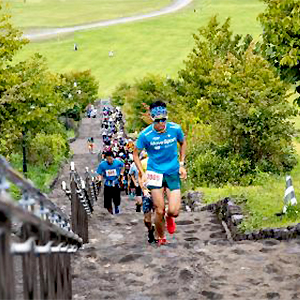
(136, 97)
(80, 89)
(243, 102)
(10, 38)
(30, 101)
(281, 37)
(11, 41)
(211, 43)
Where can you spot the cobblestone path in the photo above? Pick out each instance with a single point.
(198, 263)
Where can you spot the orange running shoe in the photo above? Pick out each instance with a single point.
(171, 226)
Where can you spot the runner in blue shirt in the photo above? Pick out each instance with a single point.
(160, 140)
(110, 170)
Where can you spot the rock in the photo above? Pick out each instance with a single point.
(271, 243)
(134, 222)
(272, 295)
(298, 228)
(116, 237)
(270, 269)
(239, 251)
(285, 234)
(171, 293)
(130, 257)
(237, 219)
(186, 275)
(233, 209)
(184, 222)
(212, 295)
(191, 239)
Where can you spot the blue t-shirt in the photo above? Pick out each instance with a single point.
(111, 172)
(161, 148)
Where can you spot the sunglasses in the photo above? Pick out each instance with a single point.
(160, 120)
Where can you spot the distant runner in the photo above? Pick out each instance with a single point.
(91, 144)
(163, 169)
(112, 170)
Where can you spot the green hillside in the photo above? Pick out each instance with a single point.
(155, 45)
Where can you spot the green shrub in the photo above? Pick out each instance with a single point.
(47, 149)
(210, 168)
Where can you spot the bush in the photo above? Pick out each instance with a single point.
(210, 168)
(47, 149)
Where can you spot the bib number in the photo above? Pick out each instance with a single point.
(154, 179)
(112, 172)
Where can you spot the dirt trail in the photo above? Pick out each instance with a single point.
(198, 263)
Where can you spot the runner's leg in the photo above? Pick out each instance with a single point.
(116, 198)
(159, 204)
(147, 209)
(174, 199)
(147, 220)
(107, 199)
(173, 210)
(138, 198)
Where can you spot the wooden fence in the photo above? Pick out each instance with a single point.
(83, 194)
(44, 242)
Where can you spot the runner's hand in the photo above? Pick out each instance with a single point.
(146, 192)
(182, 172)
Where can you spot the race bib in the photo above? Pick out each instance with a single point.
(112, 172)
(154, 179)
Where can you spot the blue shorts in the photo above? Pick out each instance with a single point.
(147, 204)
(172, 182)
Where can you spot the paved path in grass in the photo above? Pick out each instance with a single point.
(199, 263)
(49, 33)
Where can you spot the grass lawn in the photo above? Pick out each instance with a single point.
(60, 13)
(157, 45)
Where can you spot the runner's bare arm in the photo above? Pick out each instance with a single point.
(182, 150)
(142, 185)
(138, 164)
(137, 160)
(182, 170)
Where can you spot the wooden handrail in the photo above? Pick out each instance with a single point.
(27, 186)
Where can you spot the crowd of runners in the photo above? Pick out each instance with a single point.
(148, 169)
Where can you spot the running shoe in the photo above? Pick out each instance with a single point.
(117, 210)
(171, 226)
(162, 241)
(151, 238)
(138, 208)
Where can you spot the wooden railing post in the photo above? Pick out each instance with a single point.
(7, 282)
(88, 189)
(74, 205)
(79, 215)
(46, 290)
(29, 266)
(68, 274)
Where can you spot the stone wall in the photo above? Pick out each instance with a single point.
(232, 215)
